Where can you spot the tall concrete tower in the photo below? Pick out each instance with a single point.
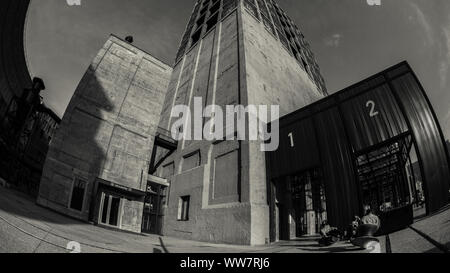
(233, 52)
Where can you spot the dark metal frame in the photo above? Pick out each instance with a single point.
(336, 101)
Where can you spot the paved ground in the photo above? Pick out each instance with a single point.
(27, 228)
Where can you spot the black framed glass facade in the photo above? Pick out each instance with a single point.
(280, 25)
(205, 16)
(207, 13)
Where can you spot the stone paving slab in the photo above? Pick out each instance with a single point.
(437, 227)
(27, 228)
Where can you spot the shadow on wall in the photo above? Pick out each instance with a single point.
(77, 153)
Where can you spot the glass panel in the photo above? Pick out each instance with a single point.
(114, 213)
(105, 209)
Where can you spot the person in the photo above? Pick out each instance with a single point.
(370, 218)
(329, 235)
(366, 230)
(325, 228)
(352, 230)
(386, 206)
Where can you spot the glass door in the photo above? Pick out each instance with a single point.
(110, 210)
(154, 208)
(309, 202)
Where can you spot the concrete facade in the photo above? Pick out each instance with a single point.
(97, 166)
(235, 62)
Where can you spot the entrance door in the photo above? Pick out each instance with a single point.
(154, 208)
(110, 209)
(309, 202)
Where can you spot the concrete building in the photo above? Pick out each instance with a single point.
(98, 162)
(232, 53)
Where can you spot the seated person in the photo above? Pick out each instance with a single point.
(329, 235)
(370, 218)
(353, 228)
(369, 225)
(386, 206)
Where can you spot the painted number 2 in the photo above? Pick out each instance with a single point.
(371, 104)
(291, 138)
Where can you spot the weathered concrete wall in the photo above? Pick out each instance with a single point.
(108, 131)
(239, 62)
(272, 76)
(218, 210)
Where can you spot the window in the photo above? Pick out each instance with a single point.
(183, 208)
(196, 37)
(79, 188)
(250, 5)
(212, 22)
(191, 161)
(215, 8)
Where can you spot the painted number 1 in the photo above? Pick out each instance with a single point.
(371, 104)
(291, 137)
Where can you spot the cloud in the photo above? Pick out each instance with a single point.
(445, 63)
(434, 38)
(422, 21)
(333, 40)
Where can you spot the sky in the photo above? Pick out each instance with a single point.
(351, 39)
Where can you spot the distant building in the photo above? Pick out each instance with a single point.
(97, 166)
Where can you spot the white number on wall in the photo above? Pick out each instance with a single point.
(371, 104)
(291, 138)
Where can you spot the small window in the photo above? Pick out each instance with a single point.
(204, 9)
(183, 208)
(200, 22)
(196, 37)
(212, 22)
(215, 8)
(79, 188)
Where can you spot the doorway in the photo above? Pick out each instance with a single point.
(389, 182)
(153, 215)
(110, 210)
(309, 201)
(298, 205)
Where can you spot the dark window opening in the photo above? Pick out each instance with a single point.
(78, 191)
(203, 11)
(196, 37)
(215, 8)
(200, 22)
(212, 22)
(183, 210)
